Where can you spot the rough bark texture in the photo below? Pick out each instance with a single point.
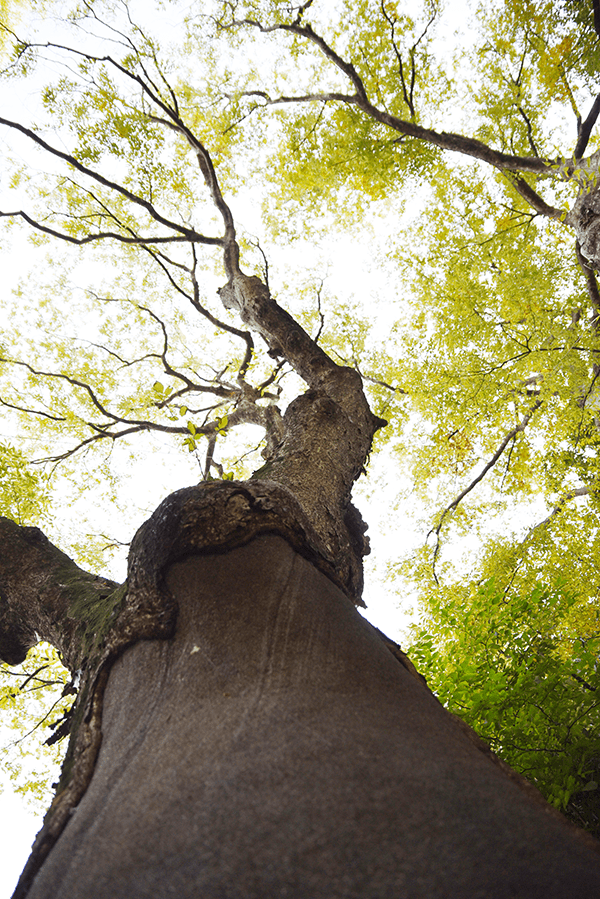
(275, 747)
(44, 595)
(214, 516)
(90, 620)
(326, 433)
(584, 218)
(217, 516)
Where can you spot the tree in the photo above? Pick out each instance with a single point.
(501, 364)
(238, 729)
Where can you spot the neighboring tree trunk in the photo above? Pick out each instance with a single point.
(585, 215)
(272, 745)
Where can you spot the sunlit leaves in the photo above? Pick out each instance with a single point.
(535, 59)
(33, 702)
(508, 326)
(23, 493)
(30, 694)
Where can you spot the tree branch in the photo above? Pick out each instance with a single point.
(307, 32)
(588, 490)
(525, 118)
(186, 233)
(103, 431)
(584, 130)
(407, 92)
(445, 140)
(40, 588)
(107, 235)
(32, 411)
(596, 9)
(331, 421)
(247, 414)
(508, 438)
(534, 199)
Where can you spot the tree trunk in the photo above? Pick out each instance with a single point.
(273, 746)
(584, 218)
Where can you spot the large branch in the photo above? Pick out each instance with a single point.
(458, 143)
(90, 620)
(584, 129)
(44, 595)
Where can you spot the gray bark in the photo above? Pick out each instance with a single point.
(326, 434)
(92, 621)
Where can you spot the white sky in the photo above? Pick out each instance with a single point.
(18, 827)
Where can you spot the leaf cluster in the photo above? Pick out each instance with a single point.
(502, 663)
(34, 698)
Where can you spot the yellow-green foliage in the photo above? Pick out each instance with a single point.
(513, 668)
(23, 493)
(29, 701)
(31, 705)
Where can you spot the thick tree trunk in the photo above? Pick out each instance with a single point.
(273, 746)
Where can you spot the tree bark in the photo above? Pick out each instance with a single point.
(326, 433)
(584, 218)
(274, 746)
(44, 595)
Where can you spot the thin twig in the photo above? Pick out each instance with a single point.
(457, 501)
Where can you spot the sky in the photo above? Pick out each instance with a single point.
(18, 827)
